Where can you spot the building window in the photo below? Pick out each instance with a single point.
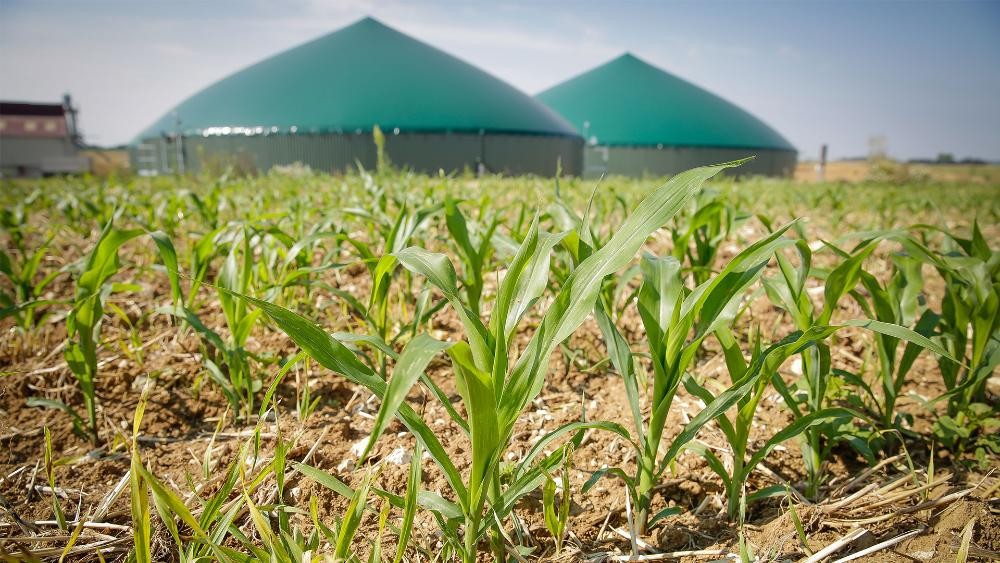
(3, 124)
(50, 126)
(30, 125)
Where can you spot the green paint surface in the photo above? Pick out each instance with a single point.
(627, 101)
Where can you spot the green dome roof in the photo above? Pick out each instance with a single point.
(362, 75)
(628, 101)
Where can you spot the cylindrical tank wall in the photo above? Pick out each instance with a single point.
(666, 161)
(423, 152)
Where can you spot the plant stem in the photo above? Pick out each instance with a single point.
(647, 469)
(471, 540)
(496, 538)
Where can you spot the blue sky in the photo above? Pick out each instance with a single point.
(924, 75)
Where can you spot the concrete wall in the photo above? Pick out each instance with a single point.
(37, 156)
(423, 152)
(666, 161)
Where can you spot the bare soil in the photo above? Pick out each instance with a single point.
(187, 416)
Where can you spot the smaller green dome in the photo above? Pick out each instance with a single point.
(628, 101)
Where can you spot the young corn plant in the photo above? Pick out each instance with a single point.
(288, 271)
(394, 233)
(676, 320)
(761, 369)
(697, 239)
(474, 251)
(756, 375)
(557, 512)
(809, 395)
(969, 329)
(227, 362)
(21, 268)
(898, 301)
(83, 325)
(494, 386)
(236, 275)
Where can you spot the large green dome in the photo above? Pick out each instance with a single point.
(629, 102)
(362, 75)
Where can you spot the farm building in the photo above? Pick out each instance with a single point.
(39, 140)
(638, 119)
(318, 104)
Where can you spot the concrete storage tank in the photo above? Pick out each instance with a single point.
(638, 119)
(317, 104)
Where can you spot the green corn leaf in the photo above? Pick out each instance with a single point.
(6, 264)
(797, 426)
(325, 479)
(410, 505)
(169, 256)
(665, 513)
(478, 393)
(425, 499)
(278, 378)
(609, 472)
(457, 227)
(902, 333)
(411, 365)
(660, 295)
(714, 463)
(440, 272)
(58, 405)
(621, 358)
(706, 397)
(334, 356)
(352, 518)
(349, 338)
(843, 279)
(564, 429)
(527, 277)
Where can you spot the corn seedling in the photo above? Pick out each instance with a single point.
(236, 275)
(557, 512)
(970, 330)
(750, 381)
(83, 325)
(899, 301)
(789, 292)
(395, 233)
(474, 251)
(676, 320)
(50, 474)
(697, 238)
(760, 370)
(138, 495)
(21, 269)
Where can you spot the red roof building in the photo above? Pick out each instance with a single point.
(39, 140)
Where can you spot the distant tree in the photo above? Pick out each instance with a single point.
(945, 158)
(878, 148)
